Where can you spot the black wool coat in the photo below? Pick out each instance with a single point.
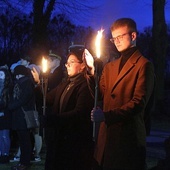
(71, 121)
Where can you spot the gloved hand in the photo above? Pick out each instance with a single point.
(97, 115)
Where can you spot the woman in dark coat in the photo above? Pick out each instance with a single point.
(71, 103)
(5, 86)
(23, 97)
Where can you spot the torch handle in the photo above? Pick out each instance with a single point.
(95, 100)
(44, 83)
(44, 91)
(94, 131)
(95, 105)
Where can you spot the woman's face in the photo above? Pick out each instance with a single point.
(74, 66)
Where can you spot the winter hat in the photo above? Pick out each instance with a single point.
(20, 69)
(77, 50)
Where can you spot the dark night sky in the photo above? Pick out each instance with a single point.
(139, 10)
(110, 10)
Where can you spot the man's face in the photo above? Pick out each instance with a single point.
(24, 62)
(54, 62)
(123, 39)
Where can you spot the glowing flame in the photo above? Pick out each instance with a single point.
(44, 65)
(98, 38)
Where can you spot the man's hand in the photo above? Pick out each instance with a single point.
(89, 61)
(97, 115)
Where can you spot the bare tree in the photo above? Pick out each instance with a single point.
(60, 31)
(14, 35)
(41, 20)
(42, 12)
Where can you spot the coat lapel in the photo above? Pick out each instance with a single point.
(58, 93)
(69, 93)
(126, 68)
(115, 69)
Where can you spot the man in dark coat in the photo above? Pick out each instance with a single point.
(56, 73)
(55, 76)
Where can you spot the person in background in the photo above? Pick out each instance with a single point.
(71, 101)
(56, 71)
(14, 138)
(37, 139)
(14, 65)
(25, 60)
(55, 76)
(23, 98)
(5, 119)
(126, 85)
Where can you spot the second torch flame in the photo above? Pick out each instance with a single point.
(98, 44)
(44, 65)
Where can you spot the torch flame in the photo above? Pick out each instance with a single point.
(98, 38)
(44, 65)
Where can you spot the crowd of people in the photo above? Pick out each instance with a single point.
(20, 92)
(126, 85)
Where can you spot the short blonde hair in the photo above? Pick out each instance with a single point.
(130, 23)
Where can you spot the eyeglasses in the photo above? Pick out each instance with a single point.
(120, 38)
(70, 63)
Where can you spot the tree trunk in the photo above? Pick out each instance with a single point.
(40, 24)
(160, 44)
